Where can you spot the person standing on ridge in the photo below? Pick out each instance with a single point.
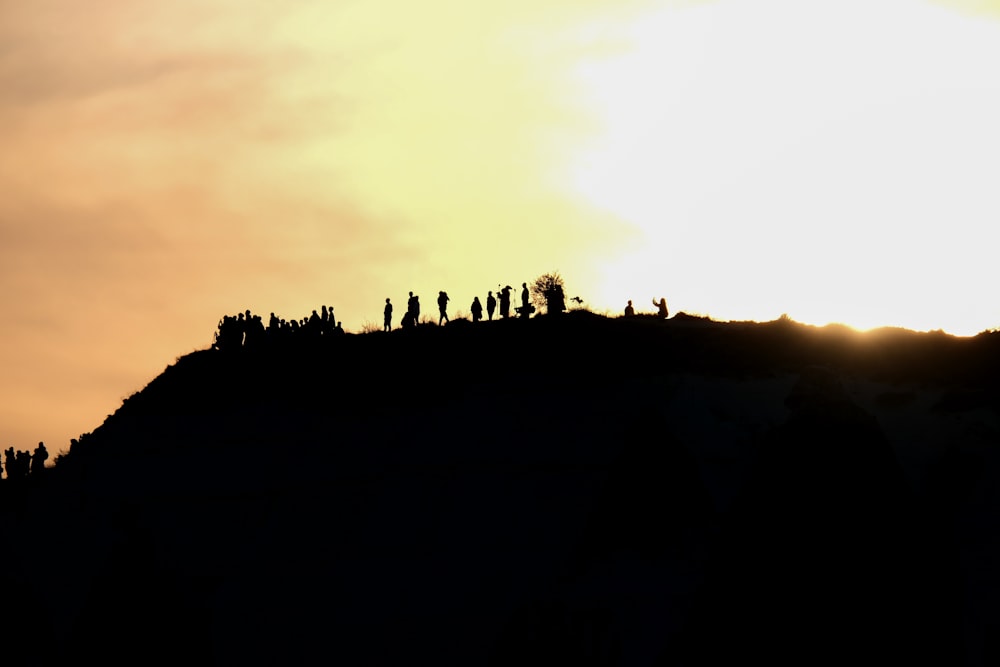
(525, 301)
(443, 307)
(477, 310)
(38, 459)
(387, 313)
(491, 305)
(413, 308)
(505, 302)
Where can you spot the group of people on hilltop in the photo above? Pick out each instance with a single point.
(661, 308)
(248, 330)
(21, 465)
(502, 300)
(412, 314)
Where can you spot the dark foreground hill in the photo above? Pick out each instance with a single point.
(572, 490)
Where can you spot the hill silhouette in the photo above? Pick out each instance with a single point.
(570, 489)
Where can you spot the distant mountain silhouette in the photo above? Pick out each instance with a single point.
(558, 490)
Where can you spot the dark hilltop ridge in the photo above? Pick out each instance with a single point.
(571, 489)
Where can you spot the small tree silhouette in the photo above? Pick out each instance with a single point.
(548, 290)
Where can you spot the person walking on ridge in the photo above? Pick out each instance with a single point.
(443, 307)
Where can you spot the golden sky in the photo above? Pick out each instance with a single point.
(166, 163)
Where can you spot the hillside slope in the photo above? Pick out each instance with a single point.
(573, 490)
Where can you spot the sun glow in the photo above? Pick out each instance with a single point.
(835, 161)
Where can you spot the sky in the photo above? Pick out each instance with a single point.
(164, 164)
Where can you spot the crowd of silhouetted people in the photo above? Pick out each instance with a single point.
(248, 330)
(20, 464)
(498, 305)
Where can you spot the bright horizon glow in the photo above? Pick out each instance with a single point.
(833, 161)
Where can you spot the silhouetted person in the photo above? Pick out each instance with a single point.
(477, 310)
(407, 321)
(328, 326)
(10, 462)
(505, 302)
(629, 310)
(325, 322)
(443, 307)
(23, 461)
(255, 332)
(526, 308)
(413, 307)
(491, 305)
(38, 459)
(556, 300)
(387, 313)
(661, 307)
(339, 331)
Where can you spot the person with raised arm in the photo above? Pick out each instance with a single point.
(661, 307)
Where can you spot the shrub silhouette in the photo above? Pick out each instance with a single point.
(548, 291)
